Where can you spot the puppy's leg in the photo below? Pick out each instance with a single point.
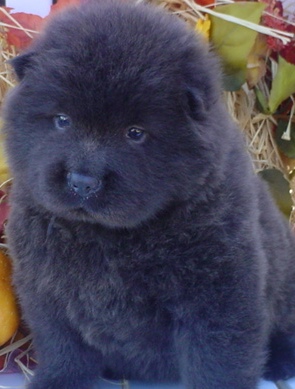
(281, 360)
(215, 355)
(64, 361)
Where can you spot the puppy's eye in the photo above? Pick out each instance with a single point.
(62, 121)
(136, 134)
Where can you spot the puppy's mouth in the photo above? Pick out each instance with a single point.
(81, 212)
(88, 208)
(85, 206)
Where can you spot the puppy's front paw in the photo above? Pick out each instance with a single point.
(61, 383)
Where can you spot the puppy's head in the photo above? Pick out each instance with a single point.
(109, 121)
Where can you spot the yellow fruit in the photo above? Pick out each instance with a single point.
(4, 172)
(9, 313)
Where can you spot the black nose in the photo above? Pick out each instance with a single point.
(83, 185)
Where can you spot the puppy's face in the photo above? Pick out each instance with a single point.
(101, 127)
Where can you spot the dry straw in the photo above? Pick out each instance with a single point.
(257, 127)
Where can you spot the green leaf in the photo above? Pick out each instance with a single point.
(261, 101)
(232, 41)
(283, 84)
(279, 188)
(286, 146)
(233, 80)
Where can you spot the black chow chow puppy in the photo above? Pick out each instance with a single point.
(144, 246)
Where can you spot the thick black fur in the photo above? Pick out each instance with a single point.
(176, 265)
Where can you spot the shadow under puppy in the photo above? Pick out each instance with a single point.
(144, 245)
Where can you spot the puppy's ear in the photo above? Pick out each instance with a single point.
(196, 103)
(22, 63)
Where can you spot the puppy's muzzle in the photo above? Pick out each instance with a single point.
(83, 185)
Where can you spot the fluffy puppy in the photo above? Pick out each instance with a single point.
(144, 245)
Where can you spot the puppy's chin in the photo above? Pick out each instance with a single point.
(105, 217)
(117, 214)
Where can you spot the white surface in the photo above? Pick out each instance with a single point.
(37, 7)
(17, 381)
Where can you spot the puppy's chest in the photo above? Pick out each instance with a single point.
(106, 290)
